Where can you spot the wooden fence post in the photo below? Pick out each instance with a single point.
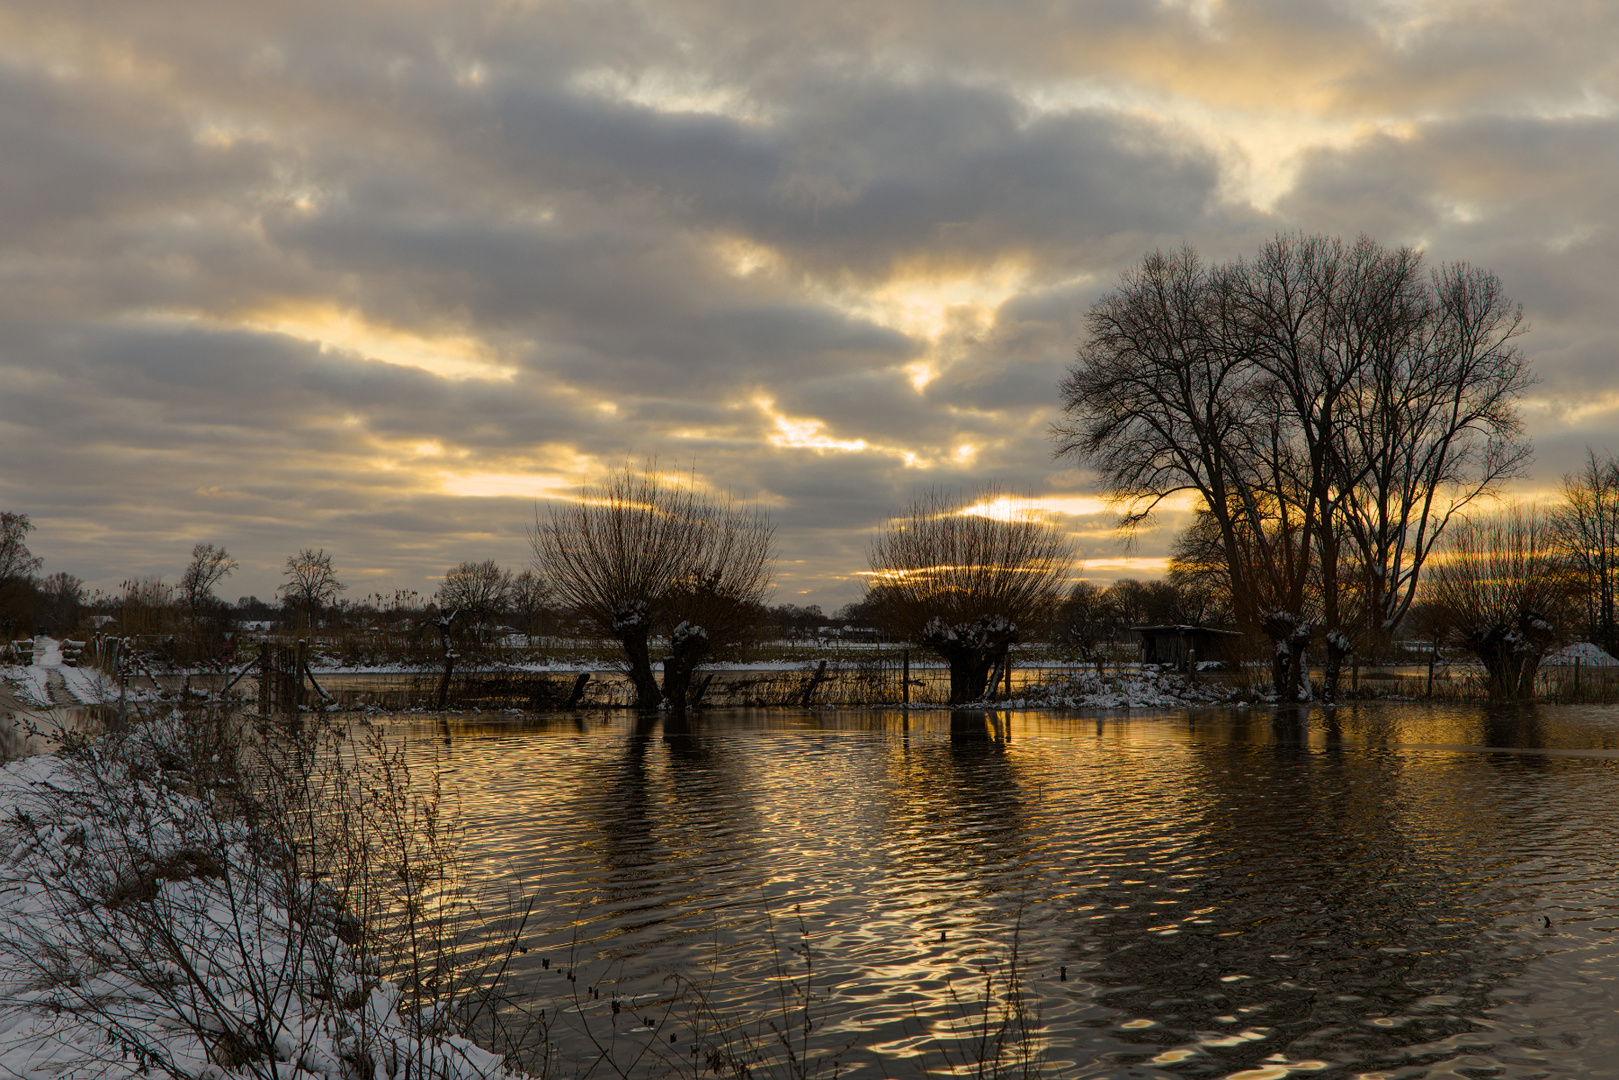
(122, 675)
(265, 694)
(300, 662)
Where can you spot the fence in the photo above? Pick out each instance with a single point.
(882, 682)
(278, 674)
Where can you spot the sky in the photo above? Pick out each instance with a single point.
(387, 278)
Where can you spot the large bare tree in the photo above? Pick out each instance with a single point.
(1586, 528)
(311, 582)
(964, 582)
(641, 556)
(17, 566)
(1433, 426)
(477, 592)
(1332, 407)
(1502, 591)
(210, 564)
(1167, 397)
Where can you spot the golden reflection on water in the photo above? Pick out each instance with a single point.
(1213, 893)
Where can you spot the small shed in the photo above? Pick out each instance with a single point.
(1173, 646)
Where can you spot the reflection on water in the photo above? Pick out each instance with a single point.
(41, 730)
(1395, 891)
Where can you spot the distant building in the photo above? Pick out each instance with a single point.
(1173, 646)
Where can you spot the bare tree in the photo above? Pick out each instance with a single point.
(311, 582)
(17, 566)
(1197, 569)
(1317, 315)
(964, 583)
(62, 595)
(1333, 409)
(1586, 527)
(210, 564)
(529, 598)
(1433, 426)
(1167, 397)
(640, 554)
(1083, 621)
(1502, 591)
(478, 590)
(16, 561)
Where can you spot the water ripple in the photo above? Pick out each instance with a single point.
(1397, 891)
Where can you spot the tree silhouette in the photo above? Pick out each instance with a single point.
(641, 556)
(964, 577)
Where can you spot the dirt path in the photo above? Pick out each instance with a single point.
(56, 689)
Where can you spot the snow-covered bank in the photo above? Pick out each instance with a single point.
(145, 929)
(1142, 688)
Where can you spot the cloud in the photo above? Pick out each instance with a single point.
(385, 278)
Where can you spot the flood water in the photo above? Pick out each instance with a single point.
(1384, 891)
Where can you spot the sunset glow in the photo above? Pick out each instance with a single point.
(356, 271)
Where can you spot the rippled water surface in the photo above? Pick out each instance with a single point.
(1391, 891)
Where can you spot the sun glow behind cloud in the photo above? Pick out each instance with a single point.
(927, 303)
(505, 485)
(666, 90)
(1261, 144)
(805, 433)
(448, 356)
(1012, 508)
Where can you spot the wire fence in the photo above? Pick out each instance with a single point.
(890, 676)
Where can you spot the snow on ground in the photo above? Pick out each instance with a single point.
(1587, 654)
(1144, 688)
(91, 686)
(49, 681)
(143, 932)
(328, 666)
(30, 683)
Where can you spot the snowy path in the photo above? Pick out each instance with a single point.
(49, 682)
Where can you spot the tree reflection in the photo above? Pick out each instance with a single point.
(1513, 725)
(958, 805)
(1306, 920)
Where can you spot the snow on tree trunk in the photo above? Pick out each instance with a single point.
(970, 649)
(1338, 647)
(688, 647)
(1511, 652)
(632, 625)
(1290, 669)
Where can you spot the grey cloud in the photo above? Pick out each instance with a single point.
(440, 170)
(851, 177)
